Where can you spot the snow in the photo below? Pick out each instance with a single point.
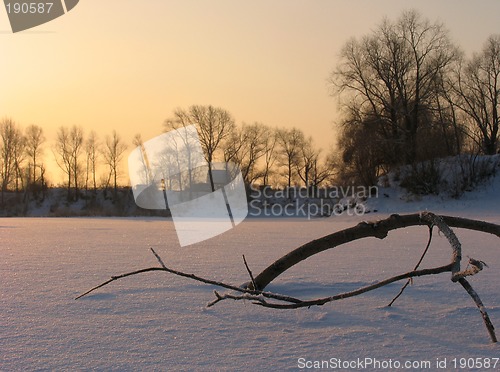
(157, 321)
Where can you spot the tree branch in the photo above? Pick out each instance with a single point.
(116, 277)
(249, 272)
(193, 277)
(376, 229)
(415, 268)
(480, 306)
(357, 292)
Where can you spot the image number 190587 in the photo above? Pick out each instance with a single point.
(28, 8)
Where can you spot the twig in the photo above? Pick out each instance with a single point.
(479, 304)
(249, 273)
(116, 277)
(158, 258)
(473, 267)
(225, 296)
(341, 296)
(416, 266)
(194, 277)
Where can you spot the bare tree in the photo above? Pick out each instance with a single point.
(145, 173)
(76, 143)
(92, 149)
(10, 150)
(478, 89)
(113, 154)
(270, 154)
(308, 157)
(324, 170)
(214, 125)
(34, 141)
(233, 145)
(63, 156)
(312, 169)
(19, 157)
(182, 119)
(290, 142)
(390, 76)
(361, 152)
(448, 113)
(68, 149)
(246, 146)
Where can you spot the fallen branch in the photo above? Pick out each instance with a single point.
(378, 229)
(193, 277)
(480, 306)
(253, 290)
(357, 292)
(259, 296)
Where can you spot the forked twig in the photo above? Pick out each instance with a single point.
(249, 273)
(416, 266)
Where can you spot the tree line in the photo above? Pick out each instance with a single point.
(408, 95)
(265, 155)
(23, 166)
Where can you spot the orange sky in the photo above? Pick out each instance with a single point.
(127, 64)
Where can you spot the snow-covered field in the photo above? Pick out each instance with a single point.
(157, 321)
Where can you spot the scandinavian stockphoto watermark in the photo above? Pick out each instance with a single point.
(170, 171)
(371, 363)
(310, 202)
(27, 14)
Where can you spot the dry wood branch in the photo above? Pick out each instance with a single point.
(158, 258)
(116, 277)
(378, 229)
(253, 291)
(415, 268)
(193, 277)
(432, 219)
(344, 295)
(480, 306)
(252, 279)
(472, 268)
(226, 296)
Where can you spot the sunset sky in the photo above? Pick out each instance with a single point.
(127, 64)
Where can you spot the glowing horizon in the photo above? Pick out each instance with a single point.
(126, 66)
